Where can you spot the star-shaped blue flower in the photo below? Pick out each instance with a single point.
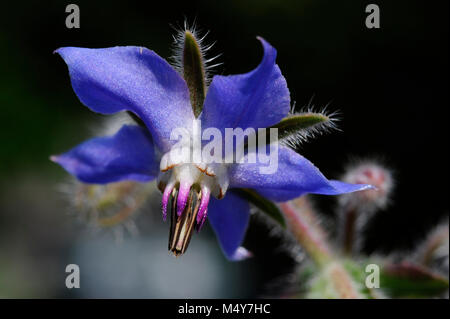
(137, 80)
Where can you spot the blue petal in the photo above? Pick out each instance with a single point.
(256, 99)
(128, 155)
(229, 218)
(294, 177)
(131, 78)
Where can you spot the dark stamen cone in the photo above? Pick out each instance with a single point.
(173, 217)
(194, 72)
(181, 228)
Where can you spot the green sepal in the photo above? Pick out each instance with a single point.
(263, 204)
(194, 72)
(411, 281)
(294, 123)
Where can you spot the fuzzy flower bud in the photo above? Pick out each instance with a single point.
(434, 250)
(355, 209)
(373, 174)
(108, 206)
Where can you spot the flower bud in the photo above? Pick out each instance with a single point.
(434, 250)
(355, 209)
(371, 199)
(110, 205)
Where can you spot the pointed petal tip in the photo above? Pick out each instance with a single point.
(241, 254)
(268, 48)
(54, 158)
(364, 187)
(127, 155)
(259, 98)
(295, 177)
(261, 39)
(344, 188)
(58, 50)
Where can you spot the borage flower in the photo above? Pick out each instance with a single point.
(165, 98)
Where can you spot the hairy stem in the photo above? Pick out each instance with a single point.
(303, 224)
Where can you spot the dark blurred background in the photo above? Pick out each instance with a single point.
(389, 84)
